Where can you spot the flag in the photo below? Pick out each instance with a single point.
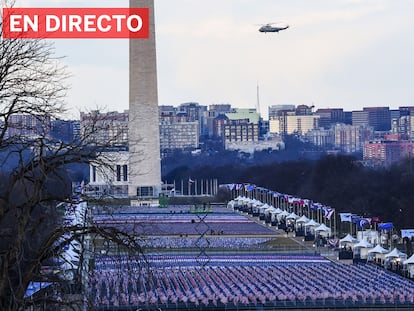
(249, 187)
(375, 220)
(316, 206)
(239, 186)
(363, 222)
(355, 219)
(82, 185)
(386, 226)
(190, 180)
(328, 212)
(346, 217)
(407, 233)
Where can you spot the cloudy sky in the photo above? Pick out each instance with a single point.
(336, 53)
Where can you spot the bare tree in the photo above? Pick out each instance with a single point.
(33, 176)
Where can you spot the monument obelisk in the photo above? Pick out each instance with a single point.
(144, 173)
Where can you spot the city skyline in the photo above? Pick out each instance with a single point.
(343, 53)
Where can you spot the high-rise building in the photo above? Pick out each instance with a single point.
(351, 138)
(106, 129)
(195, 112)
(144, 143)
(387, 152)
(178, 135)
(240, 126)
(28, 126)
(275, 110)
(330, 116)
(289, 123)
(179, 129)
(377, 117)
(66, 131)
(213, 118)
(321, 137)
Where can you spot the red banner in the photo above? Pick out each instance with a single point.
(31, 23)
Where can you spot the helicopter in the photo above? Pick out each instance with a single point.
(269, 28)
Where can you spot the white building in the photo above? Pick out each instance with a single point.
(109, 175)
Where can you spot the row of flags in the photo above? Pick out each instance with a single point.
(327, 211)
(363, 222)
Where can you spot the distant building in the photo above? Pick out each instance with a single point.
(105, 128)
(240, 126)
(274, 110)
(214, 112)
(387, 152)
(351, 138)
(195, 112)
(406, 110)
(178, 130)
(28, 126)
(275, 143)
(181, 135)
(66, 131)
(348, 117)
(289, 123)
(321, 137)
(108, 175)
(379, 118)
(304, 110)
(404, 126)
(330, 116)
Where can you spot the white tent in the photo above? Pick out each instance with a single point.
(323, 230)
(410, 266)
(378, 250)
(377, 254)
(281, 215)
(302, 219)
(310, 226)
(395, 253)
(323, 227)
(409, 261)
(311, 223)
(363, 244)
(292, 216)
(348, 239)
(262, 208)
(361, 249)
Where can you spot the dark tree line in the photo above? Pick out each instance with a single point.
(338, 181)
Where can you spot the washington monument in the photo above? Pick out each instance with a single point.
(144, 175)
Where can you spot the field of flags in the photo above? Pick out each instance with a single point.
(234, 269)
(250, 281)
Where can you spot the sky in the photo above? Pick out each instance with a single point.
(336, 54)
